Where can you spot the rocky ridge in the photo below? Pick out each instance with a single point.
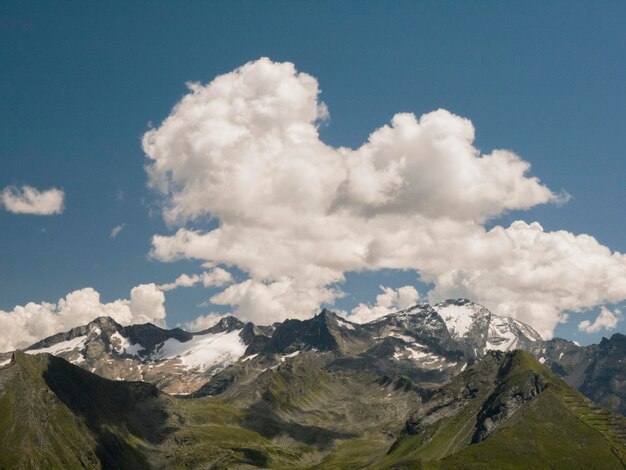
(427, 344)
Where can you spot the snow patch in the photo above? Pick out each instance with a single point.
(458, 318)
(345, 324)
(204, 351)
(249, 357)
(63, 346)
(122, 345)
(406, 339)
(293, 354)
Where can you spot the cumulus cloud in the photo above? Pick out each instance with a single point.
(296, 214)
(203, 322)
(27, 324)
(214, 278)
(271, 301)
(29, 200)
(115, 231)
(391, 300)
(606, 320)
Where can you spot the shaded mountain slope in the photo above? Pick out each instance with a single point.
(56, 415)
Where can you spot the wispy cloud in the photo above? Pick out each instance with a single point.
(115, 231)
(213, 278)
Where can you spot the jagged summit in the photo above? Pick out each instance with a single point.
(227, 323)
(458, 323)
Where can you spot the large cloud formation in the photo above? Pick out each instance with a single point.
(297, 214)
(27, 324)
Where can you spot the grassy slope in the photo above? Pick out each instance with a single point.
(550, 431)
(54, 415)
(211, 435)
(36, 430)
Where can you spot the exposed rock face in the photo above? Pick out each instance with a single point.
(508, 397)
(605, 381)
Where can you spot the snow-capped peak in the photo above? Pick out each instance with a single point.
(460, 315)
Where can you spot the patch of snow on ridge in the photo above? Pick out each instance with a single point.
(247, 358)
(123, 345)
(406, 339)
(345, 324)
(4, 363)
(458, 318)
(205, 351)
(293, 354)
(63, 346)
(418, 355)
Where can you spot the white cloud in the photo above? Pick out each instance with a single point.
(27, 324)
(216, 277)
(29, 200)
(269, 302)
(391, 300)
(297, 214)
(203, 322)
(606, 320)
(147, 301)
(115, 231)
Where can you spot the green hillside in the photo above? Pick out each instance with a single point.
(534, 421)
(506, 411)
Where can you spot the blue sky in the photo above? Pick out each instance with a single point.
(81, 84)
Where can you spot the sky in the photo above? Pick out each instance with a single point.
(283, 156)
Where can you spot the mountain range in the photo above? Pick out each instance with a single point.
(450, 385)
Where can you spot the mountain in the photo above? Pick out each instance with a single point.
(174, 360)
(598, 370)
(504, 411)
(427, 344)
(508, 411)
(56, 415)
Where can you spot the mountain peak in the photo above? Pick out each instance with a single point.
(326, 313)
(228, 323)
(104, 322)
